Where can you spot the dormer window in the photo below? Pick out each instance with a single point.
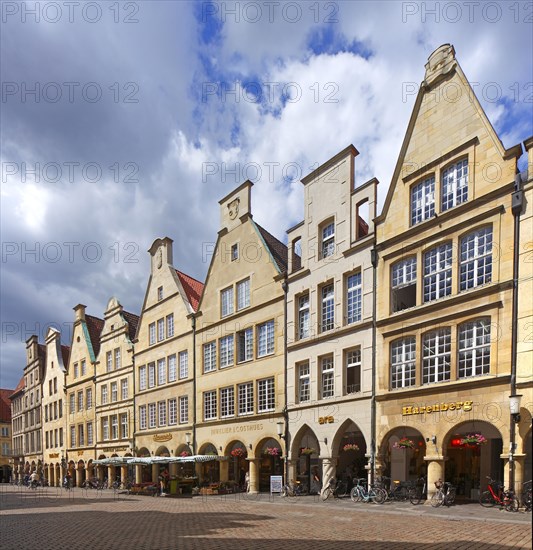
(455, 185)
(423, 200)
(328, 240)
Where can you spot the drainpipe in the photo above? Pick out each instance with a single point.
(517, 203)
(193, 322)
(285, 287)
(374, 260)
(134, 404)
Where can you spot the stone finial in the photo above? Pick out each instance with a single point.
(440, 63)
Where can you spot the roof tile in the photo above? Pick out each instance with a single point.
(192, 287)
(5, 405)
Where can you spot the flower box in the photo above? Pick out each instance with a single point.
(404, 443)
(473, 439)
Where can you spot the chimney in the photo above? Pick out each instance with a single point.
(80, 312)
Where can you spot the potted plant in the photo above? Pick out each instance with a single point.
(185, 453)
(404, 443)
(350, 447)
(473, 439)
(272, 451)
(307, 451)
(239, 452)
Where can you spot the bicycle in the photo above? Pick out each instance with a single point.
(395, 490)
(418, 493)
(526, 495)
(497, 495)
(336, 488)
(445, 494)
(367, 493)
(293, 489)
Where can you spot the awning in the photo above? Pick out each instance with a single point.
(147, 460)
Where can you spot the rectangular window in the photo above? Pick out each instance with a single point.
(50, 387)
(159, 293)
(142, 377)
(55, 385)
(246, 345)
(304, 383)
(265, 338)
(162, 413)
(210, 405)
(151, 415)
(423, 201)
(227, 402)
(73, 436)
(160, 330)
(226, 301)
(76, 370)
(142, 417)
(46, 442)
(184, 409)
(90, 435)
(226, 351)
(243, 294)
(117, 359)
(436, 349)
(303, 316)
(403, 293)
(403, 358)
(89, 398)
(109, 361)
(455, 185)
(328, 240)
(266, 395)
(80, 401)
(438, 272)
(234, 252)
(328, 308)
(474, 348)
(246, 398)
(45, 417)
(210, 357)
(81, 435)
(172, 412)
(476, 259)
(184, 364)
(104, 394)
(114, 392)
(353, 298)
(124, 388)
(72, 403)
(328, 377)
(170, 325)
(353, 371)
(161, 372)
(151, 375)
(83, 367)
(60, 406)
(124, 426)
(114, 427)
(171, 360)
(151, 332)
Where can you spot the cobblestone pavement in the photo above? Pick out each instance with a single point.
(54, 519)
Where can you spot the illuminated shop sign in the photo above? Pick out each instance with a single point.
(438, 407)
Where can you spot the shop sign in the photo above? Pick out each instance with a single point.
(162, 437)
(326, 420)
(54, 455)
(438, 407)
(236, 429)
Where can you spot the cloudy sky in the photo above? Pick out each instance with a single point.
(122, 122)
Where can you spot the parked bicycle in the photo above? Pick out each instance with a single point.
(418, 493)
(395, 490)
(362, 492)
(445, 494)
(496, 494)
(526, 495)
(336, 488)
(293, 489)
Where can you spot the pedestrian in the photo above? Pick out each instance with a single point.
(247, 481)
(163, 481)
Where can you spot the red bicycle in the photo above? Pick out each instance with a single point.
(497, 495)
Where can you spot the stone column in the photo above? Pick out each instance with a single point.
(519, 466)
(435, 472)
(123, 474)
(138, 473)
(173, 469)
(291, 465)
(110, 475)
(254, 474)
(224, 466)
(329, 469)
(155, 473)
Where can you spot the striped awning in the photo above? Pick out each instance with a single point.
(126, 460)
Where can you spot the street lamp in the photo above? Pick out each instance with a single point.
(514, 405)
(188, 438)
(280, 427)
